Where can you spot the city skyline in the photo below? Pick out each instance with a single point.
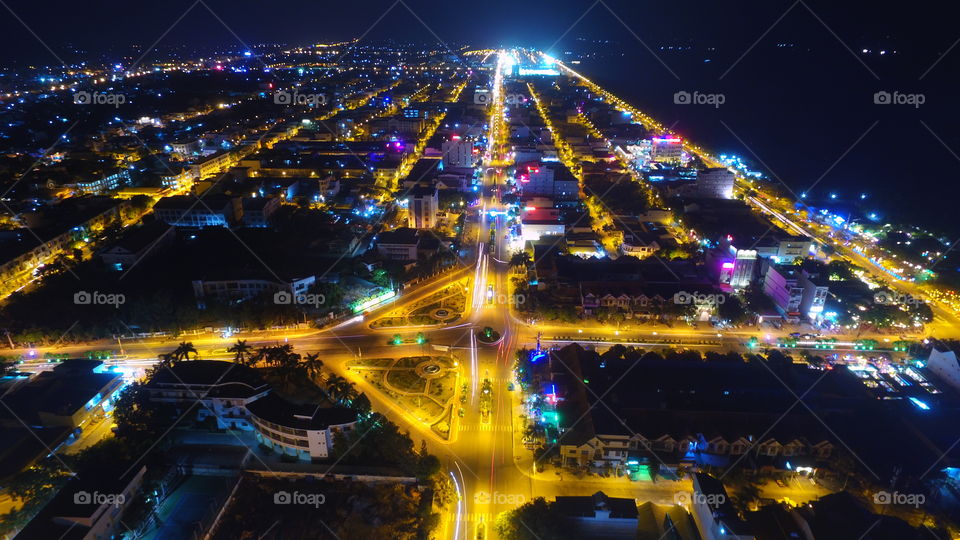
(497, 271)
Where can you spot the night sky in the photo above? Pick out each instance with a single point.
(925, 27)
(797, 113)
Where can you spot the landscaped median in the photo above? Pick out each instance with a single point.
(423, 386)
(442, 307)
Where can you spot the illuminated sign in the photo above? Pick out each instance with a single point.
(370, 302)
(539, 71)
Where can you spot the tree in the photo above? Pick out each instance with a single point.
(520, 258)
(313, 365)
(337, 387)
(535, 520)
(242, 353)
(731, 309)
(183, 351)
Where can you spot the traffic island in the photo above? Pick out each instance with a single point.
(442, 307)
(421, 386)
(488, 335)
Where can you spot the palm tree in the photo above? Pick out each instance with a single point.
(183, 351)
(313, 364)
(242, 353)
(349, 393)
(520, 258)
(338, 387)
(260, 355)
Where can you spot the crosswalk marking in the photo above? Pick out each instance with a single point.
(477, 517)
(485, 427)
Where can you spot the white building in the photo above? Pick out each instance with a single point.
(458, 153)
(666, 149)
(238, 290)
(782, 285)
(795, 292)
(423, 207)
(944, 364)
(106, 183)
(304, 431)
(738, 272)
(715, 183)
(714, 513)
(224, 389)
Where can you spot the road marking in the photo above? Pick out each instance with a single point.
(485, 427)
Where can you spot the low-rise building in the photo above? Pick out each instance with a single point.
(189, 211)
(223, 389)
(238, 290)
(601, 516)
(257, 211)
(88, 507)
(795, 292)
(305, 431)
(136, 245)
(943, 363)
(399, 244)
(715, 183)
(105, 182)
(714, 513)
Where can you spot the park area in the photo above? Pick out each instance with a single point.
(424, 386)
(442, 307)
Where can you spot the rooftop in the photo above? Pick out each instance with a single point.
(273, 408)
